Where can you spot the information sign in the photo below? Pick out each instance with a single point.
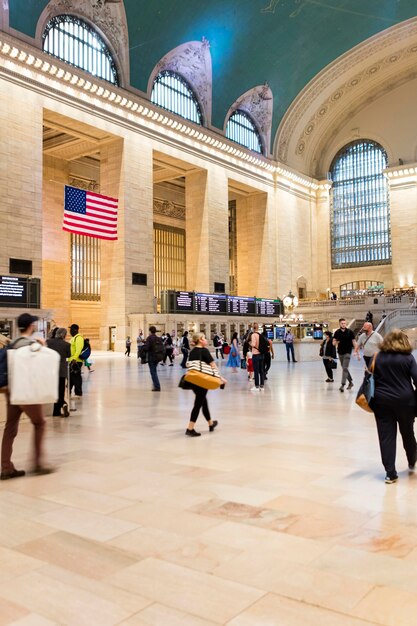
(184, 301)
(266, 307)
(210, 303)
(13, 291)
(240, 305)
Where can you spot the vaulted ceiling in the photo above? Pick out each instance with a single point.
(282, 42)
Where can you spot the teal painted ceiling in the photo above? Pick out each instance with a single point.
(283, 42)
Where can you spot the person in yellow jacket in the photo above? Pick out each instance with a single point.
(75, 360)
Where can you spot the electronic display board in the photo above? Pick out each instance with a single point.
(266, 307)
(184, 301)
(241, 305)
(210, 303)
(13, 290)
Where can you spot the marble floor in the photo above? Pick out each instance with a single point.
(278, 518)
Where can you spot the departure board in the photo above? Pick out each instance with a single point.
(184, 301)
(241, 306)
(210, 303)
(267, 307)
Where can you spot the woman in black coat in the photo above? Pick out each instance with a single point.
(185, 349)
(395, 369)
(328, 352)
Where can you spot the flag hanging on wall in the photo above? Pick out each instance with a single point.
(91, 214)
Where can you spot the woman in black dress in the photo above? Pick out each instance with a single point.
(200, 353)
(185, 349)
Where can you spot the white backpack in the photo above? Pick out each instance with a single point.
(33, 373)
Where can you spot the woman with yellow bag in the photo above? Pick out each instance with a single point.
(200, 379)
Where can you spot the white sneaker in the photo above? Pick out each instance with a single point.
(254, 389)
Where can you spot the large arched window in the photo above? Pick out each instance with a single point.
(360, 223)
(173, 93)
(74, 41)
(241, 129)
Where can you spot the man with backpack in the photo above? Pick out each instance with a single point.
(155, 350)
(26, 326)
(75, 360)
(259, 349)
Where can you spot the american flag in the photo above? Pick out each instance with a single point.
(90, 214)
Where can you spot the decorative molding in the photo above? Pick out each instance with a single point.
(169, 209)
(258, 104)
(84, 183)
(192, 61)
(346, 81)
(108, 17)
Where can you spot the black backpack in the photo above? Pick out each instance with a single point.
(158, 350)
(263, 345)
(3, 367)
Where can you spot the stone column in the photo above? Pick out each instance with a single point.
(321, 242)
(56, 288)
(126, 173)
(20, 177)
(403, 209)
(256, 245)
(207, 229)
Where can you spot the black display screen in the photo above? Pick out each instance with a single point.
(241, 306)
(267, 307)
(184, 301)
(13, 291)
(209, 303)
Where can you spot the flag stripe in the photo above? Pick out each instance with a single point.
(94, 216)
(82, 231)
(102, 207)
(90, 224)
(99, 196)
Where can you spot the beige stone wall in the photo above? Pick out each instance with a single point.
(403, 197)
(20, 176)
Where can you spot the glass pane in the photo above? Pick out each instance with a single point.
(171, 92)
(360, 221)
(243, 131)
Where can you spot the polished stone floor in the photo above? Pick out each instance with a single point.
(278, 518)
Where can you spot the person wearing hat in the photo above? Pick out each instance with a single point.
(75, 360)
(26, 326)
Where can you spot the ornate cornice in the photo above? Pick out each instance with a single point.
(347, 82)
(169, 209)
(192, 61)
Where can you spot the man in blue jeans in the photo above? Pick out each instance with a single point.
(289, 344)
(257, 360)
(153, 347)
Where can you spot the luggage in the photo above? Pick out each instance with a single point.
(33, 373)
(243, 364)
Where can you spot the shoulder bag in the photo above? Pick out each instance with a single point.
(202, 375)
(366, 391)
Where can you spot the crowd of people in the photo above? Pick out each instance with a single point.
(388, 360)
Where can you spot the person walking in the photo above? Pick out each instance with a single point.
(75, 360)
(289, 344)
(200, 352)
(328, 352)
(140, 341)
(269, 355)
(368, 341)
(257, 359)
(169, 350)
(156, 352)
(185, 349)
(344, 340)
(128, 345)
(234, 356)
(394, 402)
(218, 344)
(35, 412)
(58, 343)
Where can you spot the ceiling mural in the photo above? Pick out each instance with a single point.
(284, 43)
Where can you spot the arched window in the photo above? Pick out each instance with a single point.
(241, 129)
(173, 93)
(74, 41)
(360, 222)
